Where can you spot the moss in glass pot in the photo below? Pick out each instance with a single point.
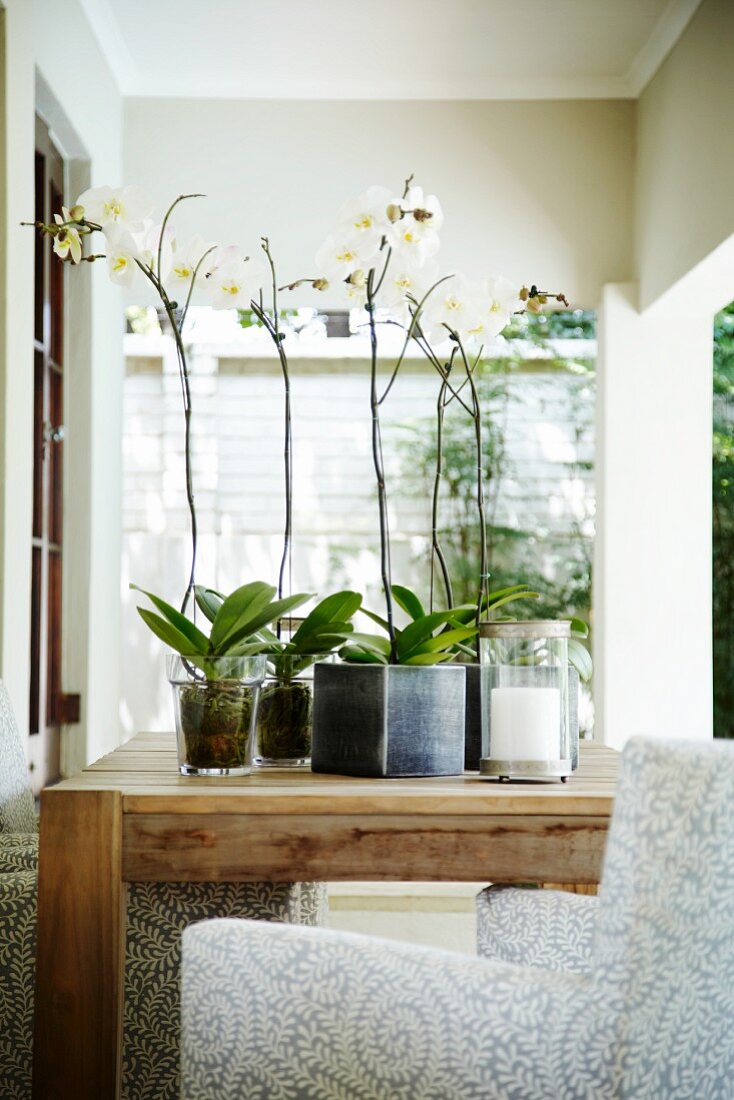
(284, 718)
(216, 718)
(284, 721)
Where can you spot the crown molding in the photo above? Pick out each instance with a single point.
(673, 20)
(104, 26)
(136, 84)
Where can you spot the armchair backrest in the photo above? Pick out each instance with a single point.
(664, 954)
(17, 809)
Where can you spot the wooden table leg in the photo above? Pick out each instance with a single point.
(80, 954)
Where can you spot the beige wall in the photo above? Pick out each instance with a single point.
(537, 190)
(52, 56)
(685, 171)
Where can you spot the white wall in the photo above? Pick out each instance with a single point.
(16, 352)
(685, 168)
(82, 104)
(652, 568)
(541, 191)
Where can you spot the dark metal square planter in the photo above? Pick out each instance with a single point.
(473, 740)
(388, 720)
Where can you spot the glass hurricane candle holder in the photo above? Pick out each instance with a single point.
(526, 728)
(215, 703)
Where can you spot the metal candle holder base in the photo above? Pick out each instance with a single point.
(525, 769)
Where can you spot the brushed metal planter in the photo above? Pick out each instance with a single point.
(473, 738)
(388, 720)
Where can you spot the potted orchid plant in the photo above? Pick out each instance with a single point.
(394, 706)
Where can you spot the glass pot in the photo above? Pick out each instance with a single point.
(215, 703)
(526, 729)
(285, 713)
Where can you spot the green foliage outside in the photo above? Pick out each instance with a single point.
(557, 566)
(723, 533)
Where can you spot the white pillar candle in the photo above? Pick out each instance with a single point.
(525, 723)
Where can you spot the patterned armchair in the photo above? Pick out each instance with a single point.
(632, 997)
(157, 913)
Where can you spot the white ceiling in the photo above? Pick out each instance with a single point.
(387, 49)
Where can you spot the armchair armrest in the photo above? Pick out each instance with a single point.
(548, 929)
(273, 1010)
(18, 892)
(18, 852)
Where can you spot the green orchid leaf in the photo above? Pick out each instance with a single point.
(407, 599)
(420, 631)
(208, 600)
(170, 635)
(371, 641)
(514, 596)
(198, 642)
(579, 628)
(337, 608)
(428, 658)
(504, 592)
(358, 655)
(441, 642)
(246, 626)
(377, 619)
(580, 658)
(463, 614)
(243, 604)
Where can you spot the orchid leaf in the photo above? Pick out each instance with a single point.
(169, 634)
(243, 604)
(208, 600)
(377, 619)
(580, 658)
(250, 621)
(579, 628)
(442, 642)
(362, 655)
(197, 642)
(407, 599)
(428, 658)
(420, 630)
(337, 608)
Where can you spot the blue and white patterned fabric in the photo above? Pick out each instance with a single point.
(297, 1014)
(156, 915)
(17, 808)
(659, 940)
(549, 929)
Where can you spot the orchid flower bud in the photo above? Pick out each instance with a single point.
(394, 212)
(320, 284)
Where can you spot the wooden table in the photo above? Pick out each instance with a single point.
(131, 817)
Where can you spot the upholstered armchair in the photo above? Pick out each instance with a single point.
(157, 913)
(628, 997)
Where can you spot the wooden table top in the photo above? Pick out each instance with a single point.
(145, 772)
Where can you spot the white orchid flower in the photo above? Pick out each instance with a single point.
(424, 210)
(148, 241)
(412, 242)
(364, 221)
(183, 264)
(68, 242)
(126, 207)
(338, 258)
(122, 254)
(399, 282)
(455, 305)
(232, 285)
(224, 255)
(501, 300)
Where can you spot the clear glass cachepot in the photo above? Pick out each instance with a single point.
(526, 728)
(215, 703)
(285, 713)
